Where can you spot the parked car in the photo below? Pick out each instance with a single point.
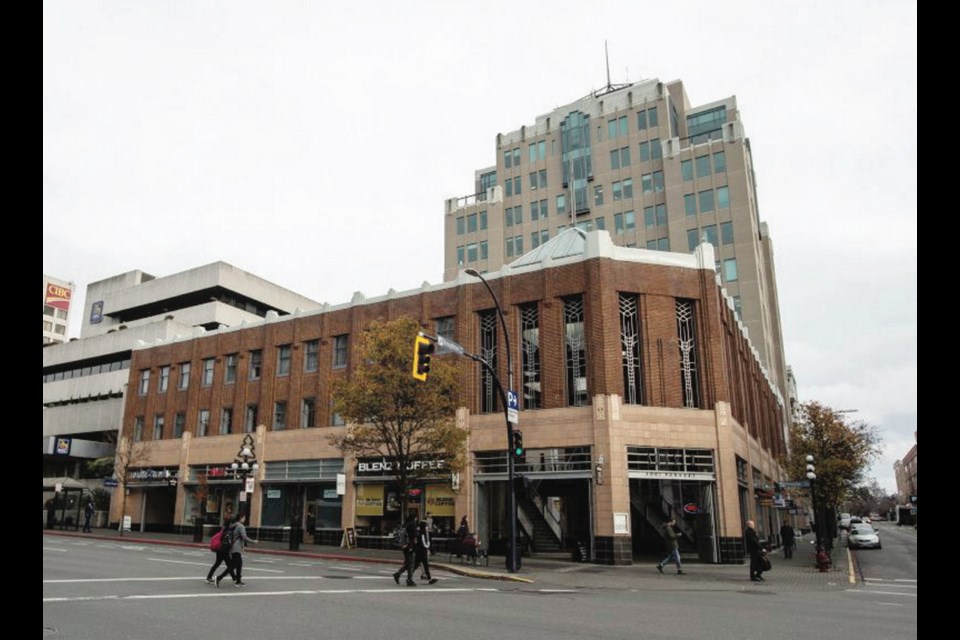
(863, 536)
(844, 521)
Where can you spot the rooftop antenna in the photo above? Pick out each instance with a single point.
(610, 86)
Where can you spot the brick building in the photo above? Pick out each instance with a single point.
(641, 398)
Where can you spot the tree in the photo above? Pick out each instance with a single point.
(842, 450)
(130, 456)
(391, 415)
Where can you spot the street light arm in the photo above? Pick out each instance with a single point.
(503, 322)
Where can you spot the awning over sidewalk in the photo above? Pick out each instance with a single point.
(66, 484)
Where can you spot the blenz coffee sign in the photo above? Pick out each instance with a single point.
(384, 467)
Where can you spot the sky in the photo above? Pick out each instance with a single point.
(292, 138)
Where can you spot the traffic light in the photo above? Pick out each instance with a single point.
(422, 350)
(517, 444)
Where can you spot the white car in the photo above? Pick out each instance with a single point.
(863, 536)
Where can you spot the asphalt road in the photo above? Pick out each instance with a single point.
(894, 567)
(108, 590)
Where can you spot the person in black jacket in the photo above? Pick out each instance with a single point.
(223, 555)
(788, 539)
(752, 543)
(673, 546)
(422, 553)
(409, 552)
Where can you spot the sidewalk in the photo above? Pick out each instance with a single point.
(797, 574)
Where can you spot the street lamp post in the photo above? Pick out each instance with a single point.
(822, 558)
(244, 465)
(513, 554)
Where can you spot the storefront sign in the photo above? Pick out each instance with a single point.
(385, 467)
(671, 475)
(331, 494)
(369, 499)
(441, 501)
(273, 494)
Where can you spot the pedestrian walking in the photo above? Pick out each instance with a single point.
(222, 553)
(239, 540)
(751, 541)
(408, 547)
(671, 538)
(422, 552)
(88, 515)
(788, 539)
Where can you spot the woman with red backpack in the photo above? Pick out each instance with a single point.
(222, 551)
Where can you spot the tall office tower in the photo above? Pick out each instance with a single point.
(641, 162)
(56, 309)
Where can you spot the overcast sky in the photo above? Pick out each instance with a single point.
(313, 144)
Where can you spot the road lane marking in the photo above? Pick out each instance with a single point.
(207, 564)
(245, 594)
(883, 593)
(54, 549)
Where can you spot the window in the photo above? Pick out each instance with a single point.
(600, 223)
(516, 157)
(738, 307)
(656, 151)
(460, 255)
(561, 204)
(690, 204)
(250, 418)
(308, 413)
(652, 118)
(311, 353)
(508, 187)
(542, 177)
(164, 381)
(256, 364)
(710, 232)
(138, 429)
(483, 249)
(507, 158)
(207, 372)
(532, 152)
(279, 415)
(658, 181)
(184, 376)
(47, 326)
(472, 252)
(460, 226)
(630, 349)
(686, 170)
(488, 351)
(472, 223)
(659, 244)
(575, 343)
(628, 188)
(620, 158)
(719, 162)
(730, 270)
(144, 382)
(598, 195)
(693, 239)
(444, 327)
(336, 420)
(706, 200)
(644, 151)
(48, 310)
(687, 345)
(340, 344)
(284, 355)
(179, 421)
(517, 186)
(726, 232)
(226, 420)
(530, 356)
(703, 166)
(203, 422)
(230, 369)
(723, 197)
(158, 427)
(623, 189)
(483, 219)
(542, 150)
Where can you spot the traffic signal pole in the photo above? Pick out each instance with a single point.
(513, 554)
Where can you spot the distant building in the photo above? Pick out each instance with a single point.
(641, 398)
(57, 295)
(85, 379)
(642, 162)
(905, 472)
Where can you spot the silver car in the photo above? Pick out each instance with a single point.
(863, 536)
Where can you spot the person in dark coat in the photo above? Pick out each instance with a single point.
(788, 539)
(422, 553)
(752, 543)
(673, 546)
(409, 552)
(88, 515)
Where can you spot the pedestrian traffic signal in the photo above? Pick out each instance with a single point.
(422, 350)
(517, 444)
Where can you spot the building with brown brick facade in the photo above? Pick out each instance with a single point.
(641, 398)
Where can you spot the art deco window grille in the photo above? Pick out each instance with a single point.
(530, 332)
(576, 352)
(488, 351)
(687, 342)
(630, 349)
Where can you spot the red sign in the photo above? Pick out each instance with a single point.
(691, 508)
(57, 297)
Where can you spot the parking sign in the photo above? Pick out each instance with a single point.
(513, 414)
